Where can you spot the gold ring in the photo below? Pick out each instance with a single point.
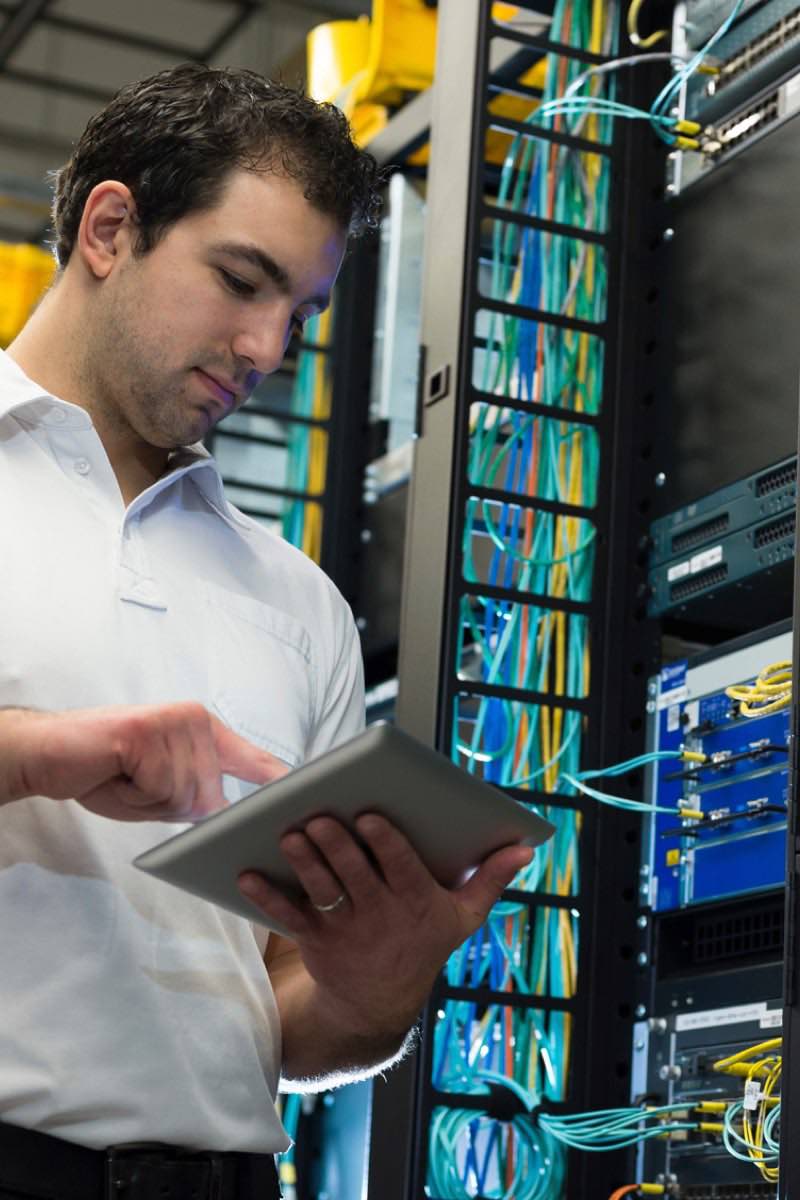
(330, 907)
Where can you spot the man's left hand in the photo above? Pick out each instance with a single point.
(375, 953)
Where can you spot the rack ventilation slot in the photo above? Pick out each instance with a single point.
(736, 936)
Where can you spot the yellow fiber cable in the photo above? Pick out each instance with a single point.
(598, 24)
(770, 691)
(754, 1135)
(724, 1064)
(633, 28)
(568, 952)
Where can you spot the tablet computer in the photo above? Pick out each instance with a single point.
(453, 819)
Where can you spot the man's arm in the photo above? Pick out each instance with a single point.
(146, 763)
(354, 979)
(319, 1050)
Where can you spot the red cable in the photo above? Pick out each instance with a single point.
(623, 1191)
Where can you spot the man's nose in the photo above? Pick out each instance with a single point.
(263, 342)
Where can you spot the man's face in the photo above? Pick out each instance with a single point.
(181, 335)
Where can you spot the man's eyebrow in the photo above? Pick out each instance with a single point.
(267, 264)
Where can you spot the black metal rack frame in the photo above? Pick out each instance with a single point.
(624, 648)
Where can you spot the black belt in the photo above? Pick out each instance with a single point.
(49, 1168)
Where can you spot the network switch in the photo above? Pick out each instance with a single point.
(749, 86)
(760, 51)
(696, 526)
(714, 584)
(674, 1063)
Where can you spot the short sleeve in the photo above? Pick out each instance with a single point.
(341, 709)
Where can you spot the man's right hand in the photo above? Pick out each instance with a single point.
(149, 763)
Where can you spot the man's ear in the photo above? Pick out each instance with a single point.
(107, 227)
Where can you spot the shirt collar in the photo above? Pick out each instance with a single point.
(207, 479)
(20, 395)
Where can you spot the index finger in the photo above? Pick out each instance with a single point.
(241, 758)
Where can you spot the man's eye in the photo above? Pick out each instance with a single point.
(238, 286)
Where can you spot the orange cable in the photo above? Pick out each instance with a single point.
(623, 1191)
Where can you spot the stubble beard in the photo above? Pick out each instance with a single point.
(131, 388)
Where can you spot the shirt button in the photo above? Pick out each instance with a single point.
(82, 466)
(57, 415)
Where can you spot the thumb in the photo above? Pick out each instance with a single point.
(241, 758)
(483, 889)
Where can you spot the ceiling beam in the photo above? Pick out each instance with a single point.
(18, 26)
(49, 83)
(230, 27)
(329, 11)
(106, 33)
(14, 138)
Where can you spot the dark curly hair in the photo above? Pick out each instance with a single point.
(174, 137)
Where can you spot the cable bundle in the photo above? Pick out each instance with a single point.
(472, 1154)
(769, 692)
(578, 781)
(307, 444)
(615, 1128)
(533, 647)
(663, 112)
(751, 1125)
(528, 646)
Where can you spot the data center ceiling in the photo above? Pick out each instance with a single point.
(61, 60)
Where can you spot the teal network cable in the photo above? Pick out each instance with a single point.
(523, 1158)
(306, 442)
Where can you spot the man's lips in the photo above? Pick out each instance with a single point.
(223, 390)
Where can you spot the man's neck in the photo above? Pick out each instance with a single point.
(46, 351)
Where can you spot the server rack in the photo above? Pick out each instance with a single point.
(790, 1090)
(623, 642)
(636, 432)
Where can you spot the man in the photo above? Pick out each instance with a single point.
(154, 640)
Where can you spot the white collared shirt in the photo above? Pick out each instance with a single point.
(132, 1011)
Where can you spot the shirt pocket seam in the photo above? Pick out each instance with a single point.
(275, 624)
(292, 757)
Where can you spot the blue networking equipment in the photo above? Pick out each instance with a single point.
(735, 842)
